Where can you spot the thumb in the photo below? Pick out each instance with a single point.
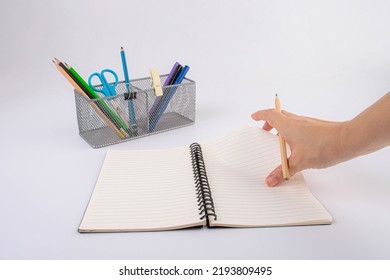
(275, 177)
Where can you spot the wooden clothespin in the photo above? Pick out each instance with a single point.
(156, 82)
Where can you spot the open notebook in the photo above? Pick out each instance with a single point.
(215, 183)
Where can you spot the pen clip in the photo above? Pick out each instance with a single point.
(156, 82)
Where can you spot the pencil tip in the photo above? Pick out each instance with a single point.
(276, 94)
(122, 48)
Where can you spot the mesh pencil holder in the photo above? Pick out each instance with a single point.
(135, 112)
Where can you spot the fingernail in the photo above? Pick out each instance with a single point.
(271, 181)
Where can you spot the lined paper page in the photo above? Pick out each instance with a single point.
(237, 165)
(143, 191)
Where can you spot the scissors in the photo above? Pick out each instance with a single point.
(107, 89)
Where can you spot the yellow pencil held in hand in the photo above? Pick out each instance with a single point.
(283, 151)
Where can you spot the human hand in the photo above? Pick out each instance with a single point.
(313, 143)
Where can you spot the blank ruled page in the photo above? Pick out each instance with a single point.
(143, 191)
(237, 165)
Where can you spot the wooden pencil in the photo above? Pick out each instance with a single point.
(119, 123)
(94, 105)
(282, 144)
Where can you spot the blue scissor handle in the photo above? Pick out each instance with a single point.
(107, 88)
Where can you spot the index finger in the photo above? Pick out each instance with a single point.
(271, 117)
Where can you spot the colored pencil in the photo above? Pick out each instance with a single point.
(62, 69)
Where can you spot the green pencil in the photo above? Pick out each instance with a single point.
(101, 102)
(99, 110)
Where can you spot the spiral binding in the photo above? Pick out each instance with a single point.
(203, 191)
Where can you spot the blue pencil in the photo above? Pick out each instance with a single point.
(127, 81)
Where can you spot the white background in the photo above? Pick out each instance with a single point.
(325, 59)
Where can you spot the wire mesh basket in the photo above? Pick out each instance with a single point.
(135, 112)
